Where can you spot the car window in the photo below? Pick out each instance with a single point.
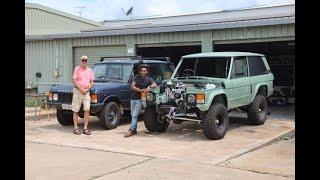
(126, 71)
(99, 71)
(106, 72)
(114, 71)
(240, 68)
(256, 66)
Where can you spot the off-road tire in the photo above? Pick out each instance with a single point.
(151, 121)
(258, 106)
(64, 118)
(110, 115)
(211, 129)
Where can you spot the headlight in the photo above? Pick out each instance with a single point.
(50, 96)
(55, 97)
(150, 97)
(191, 98)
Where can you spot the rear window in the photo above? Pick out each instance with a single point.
(256, 66)
(240, 68)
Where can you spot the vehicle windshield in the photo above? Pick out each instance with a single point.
(111, 72)
(157, 71)
(216, 67)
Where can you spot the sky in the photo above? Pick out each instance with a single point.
(100, 10)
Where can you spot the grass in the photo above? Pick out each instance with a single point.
(30, 102)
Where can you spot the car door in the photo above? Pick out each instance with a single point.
(240, 91)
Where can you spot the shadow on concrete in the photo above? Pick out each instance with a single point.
(191, 131)
(188, 131)
(94, 124)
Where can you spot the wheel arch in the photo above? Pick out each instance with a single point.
(260, 89)
(220, 98)
(115, 99)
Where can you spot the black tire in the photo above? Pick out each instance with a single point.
(215, 123)
(81, 114)
(257, 111)
(177, 121)
(65, 118)
(152, 122)
(110, 116)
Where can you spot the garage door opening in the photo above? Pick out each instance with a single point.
(174, 52)
(281, 58)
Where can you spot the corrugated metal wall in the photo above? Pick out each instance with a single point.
(38, 21)
(99, 41)
(41, 55)
(95, 52)
(167, 37)
(260, 32)
(45, 57)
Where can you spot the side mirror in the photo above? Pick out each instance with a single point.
(130, 79)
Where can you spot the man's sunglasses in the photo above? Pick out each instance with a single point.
(84, 60)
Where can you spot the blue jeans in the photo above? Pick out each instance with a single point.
(136, 106)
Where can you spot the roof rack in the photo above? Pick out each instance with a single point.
(118, 57)
(156, 58)
(140, 58)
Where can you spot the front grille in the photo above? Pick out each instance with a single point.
(65, 98)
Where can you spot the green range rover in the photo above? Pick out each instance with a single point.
(205, 87)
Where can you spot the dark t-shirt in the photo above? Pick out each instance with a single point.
(141, 84)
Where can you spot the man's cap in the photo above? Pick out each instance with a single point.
(84, 57)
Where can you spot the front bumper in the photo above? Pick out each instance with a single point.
(94, 107)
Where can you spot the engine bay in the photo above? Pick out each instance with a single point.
(179, 100)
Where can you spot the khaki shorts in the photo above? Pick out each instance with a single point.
(78, 98)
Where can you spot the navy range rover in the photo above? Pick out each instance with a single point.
(110, 95)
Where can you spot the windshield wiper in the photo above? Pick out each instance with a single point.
(118, 79)
(100, 80)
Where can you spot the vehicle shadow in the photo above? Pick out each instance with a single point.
(192, 131)
(94, 124)
(186, 131)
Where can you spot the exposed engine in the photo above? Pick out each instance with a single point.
(177, 94)
(177, 97)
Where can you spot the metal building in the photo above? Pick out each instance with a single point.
(267, 30)
(43, 20)
(45, 56)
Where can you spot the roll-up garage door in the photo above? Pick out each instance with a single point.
(94, 53)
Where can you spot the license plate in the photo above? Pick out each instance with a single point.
(67, 106)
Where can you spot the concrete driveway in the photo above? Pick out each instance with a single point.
(146, 154)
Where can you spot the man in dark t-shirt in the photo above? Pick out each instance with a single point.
(141, 84)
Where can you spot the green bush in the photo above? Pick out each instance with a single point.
(30, 102)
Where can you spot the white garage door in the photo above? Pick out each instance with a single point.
(94, 53)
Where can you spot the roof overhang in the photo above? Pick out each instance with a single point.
(290, 19)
